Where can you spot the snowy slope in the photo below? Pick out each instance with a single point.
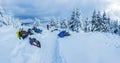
(77, 48)
(90, 48)
(20, 51)
(7, 43)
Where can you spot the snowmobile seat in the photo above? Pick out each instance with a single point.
(66, 34)
(54, 30)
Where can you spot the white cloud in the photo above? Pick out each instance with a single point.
(113, 8)
(60, 8)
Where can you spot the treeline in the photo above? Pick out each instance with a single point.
(98, 22)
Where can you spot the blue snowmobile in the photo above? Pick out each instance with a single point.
(63, 34)
(37, 30)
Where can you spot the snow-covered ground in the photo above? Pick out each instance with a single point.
(77, 48)
(91, 48)
(14, 50)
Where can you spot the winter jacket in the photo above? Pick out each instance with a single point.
(18, 34)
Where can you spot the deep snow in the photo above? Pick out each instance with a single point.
(77, 48)
(91, 48)
(20, 51)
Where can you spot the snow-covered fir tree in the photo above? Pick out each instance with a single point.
(93, 22)
(54, 24)
(106, 22)
(16, 23)
(3, 22)
(63, 24)
(114, 27)
(108, 25)
(119, 29)
(36, 22)
(1, 12)
(7, 19)
(75, 21)
(100, 22)
(87, 25)
(57, 26)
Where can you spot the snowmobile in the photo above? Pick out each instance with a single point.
(30, 32)
(54, 30)
(34, 42)
(37, 30)
(63, 34)
(23, 34)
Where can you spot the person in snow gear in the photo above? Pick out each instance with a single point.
(18, 34)
(30, 32)
(63, 34)
(37, 30)
(34, 28)
(34, 42)
(21, 34)
(47, 27)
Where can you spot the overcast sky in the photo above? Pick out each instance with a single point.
(59, 8)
